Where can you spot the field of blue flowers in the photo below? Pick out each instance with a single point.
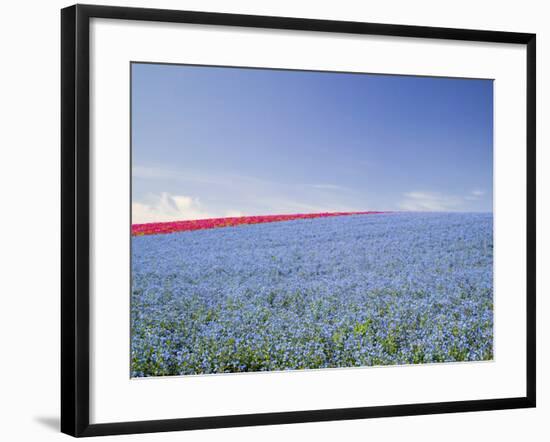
(361, 290)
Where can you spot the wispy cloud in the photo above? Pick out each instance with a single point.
(287, 205)
(430, 201)
(234, 213)
(330, 187)
(226, 194)
(148, 172)
(167, 207)
(439, 202)
(474, 195)
(167, 174)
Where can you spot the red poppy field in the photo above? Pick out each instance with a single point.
(211, 223)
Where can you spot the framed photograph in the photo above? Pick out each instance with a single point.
(272, 220)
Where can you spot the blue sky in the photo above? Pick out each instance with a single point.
(210, 142)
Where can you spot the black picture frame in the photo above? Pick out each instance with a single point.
(75, 213)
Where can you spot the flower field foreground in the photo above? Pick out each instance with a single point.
(200, 224)
(341, 291)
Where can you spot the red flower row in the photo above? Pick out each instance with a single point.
(199, 224)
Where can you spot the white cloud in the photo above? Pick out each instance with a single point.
(430, 202)
(329, 187)
(167, 207)
(438, 202)
(149, 172)
(234, 213)
(474, 195)
(164, 173)
(234, 195)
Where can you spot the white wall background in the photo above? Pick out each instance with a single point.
(29, 220)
